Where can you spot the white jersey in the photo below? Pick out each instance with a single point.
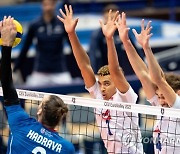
(166, 135)
(119, 130)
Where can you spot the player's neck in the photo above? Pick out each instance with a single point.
(50, 128)
(48, 17)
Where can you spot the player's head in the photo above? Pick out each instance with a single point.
(112, 7)
(106, 84)
(174, 81)
(48, 6)
(51, 110)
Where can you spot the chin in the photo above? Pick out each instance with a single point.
(104, 98)
(165, 105)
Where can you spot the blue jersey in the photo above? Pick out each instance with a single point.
(29, 136)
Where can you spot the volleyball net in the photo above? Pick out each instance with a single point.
(130, 125)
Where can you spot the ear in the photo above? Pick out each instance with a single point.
(178, 92)
(39, 111)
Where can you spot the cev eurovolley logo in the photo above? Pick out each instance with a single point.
(43, 130)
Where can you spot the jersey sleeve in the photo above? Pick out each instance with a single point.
(130, 96)
(177, 102)
(72, 150)
(154, 100)
(16, 116)
(95, 91)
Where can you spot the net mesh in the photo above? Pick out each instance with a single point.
(81, 126)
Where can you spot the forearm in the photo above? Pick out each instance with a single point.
(9, 92)
(140, 69)
(116, 72)
(136, 62)
(112, 55)
(78, 51)
(155, 70)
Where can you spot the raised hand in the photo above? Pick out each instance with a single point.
(0, 26)
(67, 19)
(110, 27)
(8, 31)
(144, 36)
(122, 27)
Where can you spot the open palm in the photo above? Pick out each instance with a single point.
(8, 30)
(143, 37)
(122, 27)
(110, 27)
(67, 19)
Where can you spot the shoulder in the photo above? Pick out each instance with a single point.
(130, 91)
(36, 22)
(130, 96)
(68, 146)
(95, 91)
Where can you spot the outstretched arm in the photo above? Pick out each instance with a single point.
(136, 62)
(8, 34)
(115, 70)
(80, 54)
(155, 70)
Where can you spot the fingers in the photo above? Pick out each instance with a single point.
(101, 23)
(127, 30)
(0, 26)
(66, 9)
(7, 21)
(149, 30)
(118, 21)
(4, 21)
(148, 25)
(123, 18)
(76, 21)
(142, 25)
(115, 16)
(134, 32)
(70, 10)
(150, 35)
(109, 15)
(61, 19)
(62, 13)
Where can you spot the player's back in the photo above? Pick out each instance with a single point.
(29, 136)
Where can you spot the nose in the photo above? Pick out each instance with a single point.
(102, 88)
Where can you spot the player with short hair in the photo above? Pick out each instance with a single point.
(115, 126)
(160, 89)
(27, 134)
